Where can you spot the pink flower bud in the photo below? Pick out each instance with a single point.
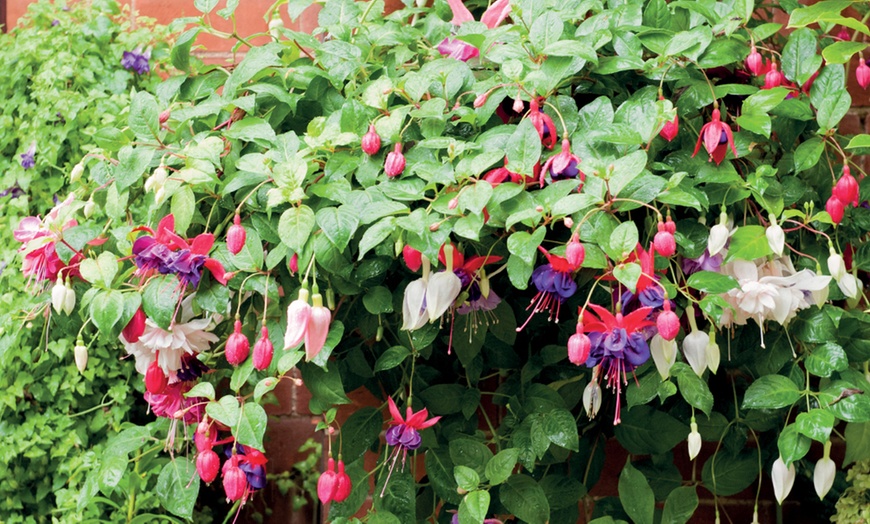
(298, 314)
(862, 74)
(236, 236)
(670, 226)
(668, 323)
(395, 162)
(518, 106)
(293, 265)
(836, 208)
(575, 253)
(773, 78)
(318, 327)
(568, 222)
(453, 204)
(238, 346)
(579, 346)
(327, 483)
(846, 189)
(480, 100)
(164, 116)
(670, 129)
(263, 351)
(235, 483)
(204, 437)
(413, 258)
(134, 329)
(371, 141)
(664, 243)
(155, 379)
(342, 484)
(754, 61)
(207, 465)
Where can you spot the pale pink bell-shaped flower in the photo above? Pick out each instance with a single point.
(327, 483)
(664, 354)
(318, 326)
(298, 313)
(695, 350)
(754, 61)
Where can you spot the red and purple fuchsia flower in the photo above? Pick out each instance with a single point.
(555, 283)
(717, 138)
(563, 166)
(617, 344)
(168, 253)
(404, 435)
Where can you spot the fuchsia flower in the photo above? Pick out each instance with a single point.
(562, 166)
(168, 253)
(846, 188)
(371, 141)
(455, 48)
(39, 237)
(395, 162)
(333, 486)
(543, 124)
(717, 137)
(862, 74)
(468, 271)
(555, 283)
(664, 242)
(238, 347)
(773, 78)
(172, 401)
(618, 345)
(754, 62)
(263, 351)
(413, 258)
(502, 174)
(306, 322)
(207, 465)
(236, 236)
(404, 435)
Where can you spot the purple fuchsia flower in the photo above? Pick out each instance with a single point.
(136, 61)
(563, 166)
(28, 158)
(478, 297)
(555, 283)
(618, 345)
(703, 263)
(404, 435)
(253, 463)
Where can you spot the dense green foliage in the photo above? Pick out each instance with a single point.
(774, 340)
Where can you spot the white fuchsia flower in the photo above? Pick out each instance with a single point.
(783, 479)
(664, 354)
(694, 440)
(719, 235)
(824, 473)
(190, 336)
(775, 236)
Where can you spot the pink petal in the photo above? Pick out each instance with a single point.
(711, 135)
(496, 13)
(217, 270)
(318, 328)
(461, 14)
(202, 244)
(394, 411)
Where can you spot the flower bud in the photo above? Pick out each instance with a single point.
(342, 484)
(155, 379)
(695, 350)
(69, 302)
(80, 352)
(318, 327)
(236, 236)
(205, 435)
(263, 351)
(718, 235)
(238, 346)
(293, 265)
(156, 180)
(671, 129)
(90, 206)
(234, 481)
(670, 225)
(850, 286)
(836, 208)
(275, 26)
(775, 237)
(413, 258)
(395, 163)
(754, 61)
(579, 347)
(712, 352)
(76, 173)
(371, 141)
(862, 74)
(207, 465)
(568, 222)
(694, 440)
(58, 295)
(592, 399)
(298, 313)
(164, 116)
(327, 483)
(480, 100)
(664, 243)
(836, 265)
(518, 106)
(575, 253)
(668, 323)
(783, 479)
(664, 355)
(824, 473)
(453, 204)
(134, 329)
(846, 188)
(159, 195)
(773, 78)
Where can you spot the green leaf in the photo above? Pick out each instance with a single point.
(524, 148)
(205, 6)
(289, 361)
(201, 389)
(711, 282)
(842, 52)
(799, 57)
(474, 507)
(525, 499)
(525, 245)
(808, 153)
(561, 429)
(500, 467)
(252, 425)
(378, 300)
(264, 386)
(625, 170)
(636, 496)
(816, 424)
(791, 444)
(226, 410)
(107, 309)
(175, 490)
(392, 358)
(475, 197)
(733, 473)
(771, 392)
(132, 163)
(862, 140)
(144, 112)
(623, 241)
(647, 431)
(256, 60)
(360, 431)
(338, 224)
(628, 275)
(294, 227)
(546, 29)
(680, 505)
(180, 54)
(183, 206)
(159, 299)
(748, 243)
(466, 478)
(241, 374)
(857, 442)
(832, 108)
(694, 390)
(375, 235)
(824, 360)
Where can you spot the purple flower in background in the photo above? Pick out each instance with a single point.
(55, 22)
(28, 158)
(457, 49)
(703, 263)
(136, 60)
(12, 192)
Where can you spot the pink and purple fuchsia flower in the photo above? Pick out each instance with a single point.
(555, 283)
(404, 435)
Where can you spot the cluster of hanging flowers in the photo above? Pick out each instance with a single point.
(244, 468)
(39, 238)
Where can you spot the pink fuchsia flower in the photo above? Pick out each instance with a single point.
(671, 129)
(457, 49)
(492, 17)
(664, 242)
(371, 141)
(207, 465)
(298, 313)
(667, 322)
(754, 62)
(618, 345)
(836, 208)
(543, 124)
(134, 329)
(413, 258)
(773, 78)
(846, 188)
(333, 486)
(468, 271)
(862, 74)
(562, 166)
(405, 432)
(502, 174)
(234, 482)
(395, 162)
(236, 236)
(717, 137)
(172, 402)
(318, 326)
(263, 351)
(579, 346)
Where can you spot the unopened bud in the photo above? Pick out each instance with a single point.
(454, 202)
(76, 173)
(81, 356)
(89, 208)
(164, 116)
(480, 100)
